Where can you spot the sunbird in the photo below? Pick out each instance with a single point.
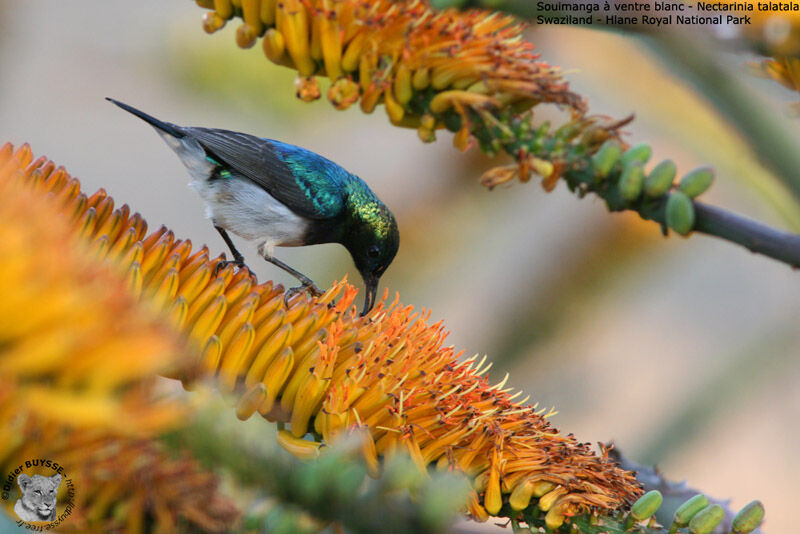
(277, 194)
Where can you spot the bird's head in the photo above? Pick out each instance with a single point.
(372, 240)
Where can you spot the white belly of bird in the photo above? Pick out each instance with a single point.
(248, 211)
(237, 204)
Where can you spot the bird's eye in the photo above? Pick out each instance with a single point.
(374, 251)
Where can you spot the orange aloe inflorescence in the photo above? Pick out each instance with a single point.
(318, 366)
(78, 365)
(421, 63)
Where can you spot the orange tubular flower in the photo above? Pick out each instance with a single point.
(421, 63)
(318, 366)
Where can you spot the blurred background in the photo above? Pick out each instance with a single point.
(683, 352)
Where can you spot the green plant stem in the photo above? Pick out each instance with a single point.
(754, 236)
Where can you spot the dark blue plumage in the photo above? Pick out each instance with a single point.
(278, 194)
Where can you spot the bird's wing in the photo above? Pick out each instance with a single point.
(307, 183)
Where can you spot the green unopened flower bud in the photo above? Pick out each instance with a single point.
(689, 509)
(647, 505)
(705, 521)
(748, 519)
(605, 158)
(637, 154)
(631, 182)
(680, 213)
(660, 179)
(696, 182)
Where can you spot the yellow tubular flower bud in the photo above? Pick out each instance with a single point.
(224, 8)
(521, 495)
(393, 108)
(315, 47)
(292, 21)
(178, 311)
(209, 320)
(445, 100)
(212, 291)
(239, 315)
(331, 43)
(462, 139)
(403, 90)
(297, 447)
(475, 509)
(166, 290)
(212, 353)
(493, 500)
(275, 377)
(274, 46)
(267, 11)
(370, 455)
(370, 97)
(353, 52)
(554, 518)
(235, 352)
(421, 79)
(547, 500)
(309, 394)
(134, 279)
(271, 348)
(195, 283)
(542, 487)
(250, 401)
(297, 378)
(252, 15)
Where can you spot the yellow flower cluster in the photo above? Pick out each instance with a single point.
(63, 313)
(318, 366)
(79, 359)
(421, 63)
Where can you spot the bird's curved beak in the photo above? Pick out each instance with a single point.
(371, 285)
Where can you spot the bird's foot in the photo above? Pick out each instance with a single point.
(309, 286)
(237, 262)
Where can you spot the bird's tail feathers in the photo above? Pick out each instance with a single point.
(166, 127)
